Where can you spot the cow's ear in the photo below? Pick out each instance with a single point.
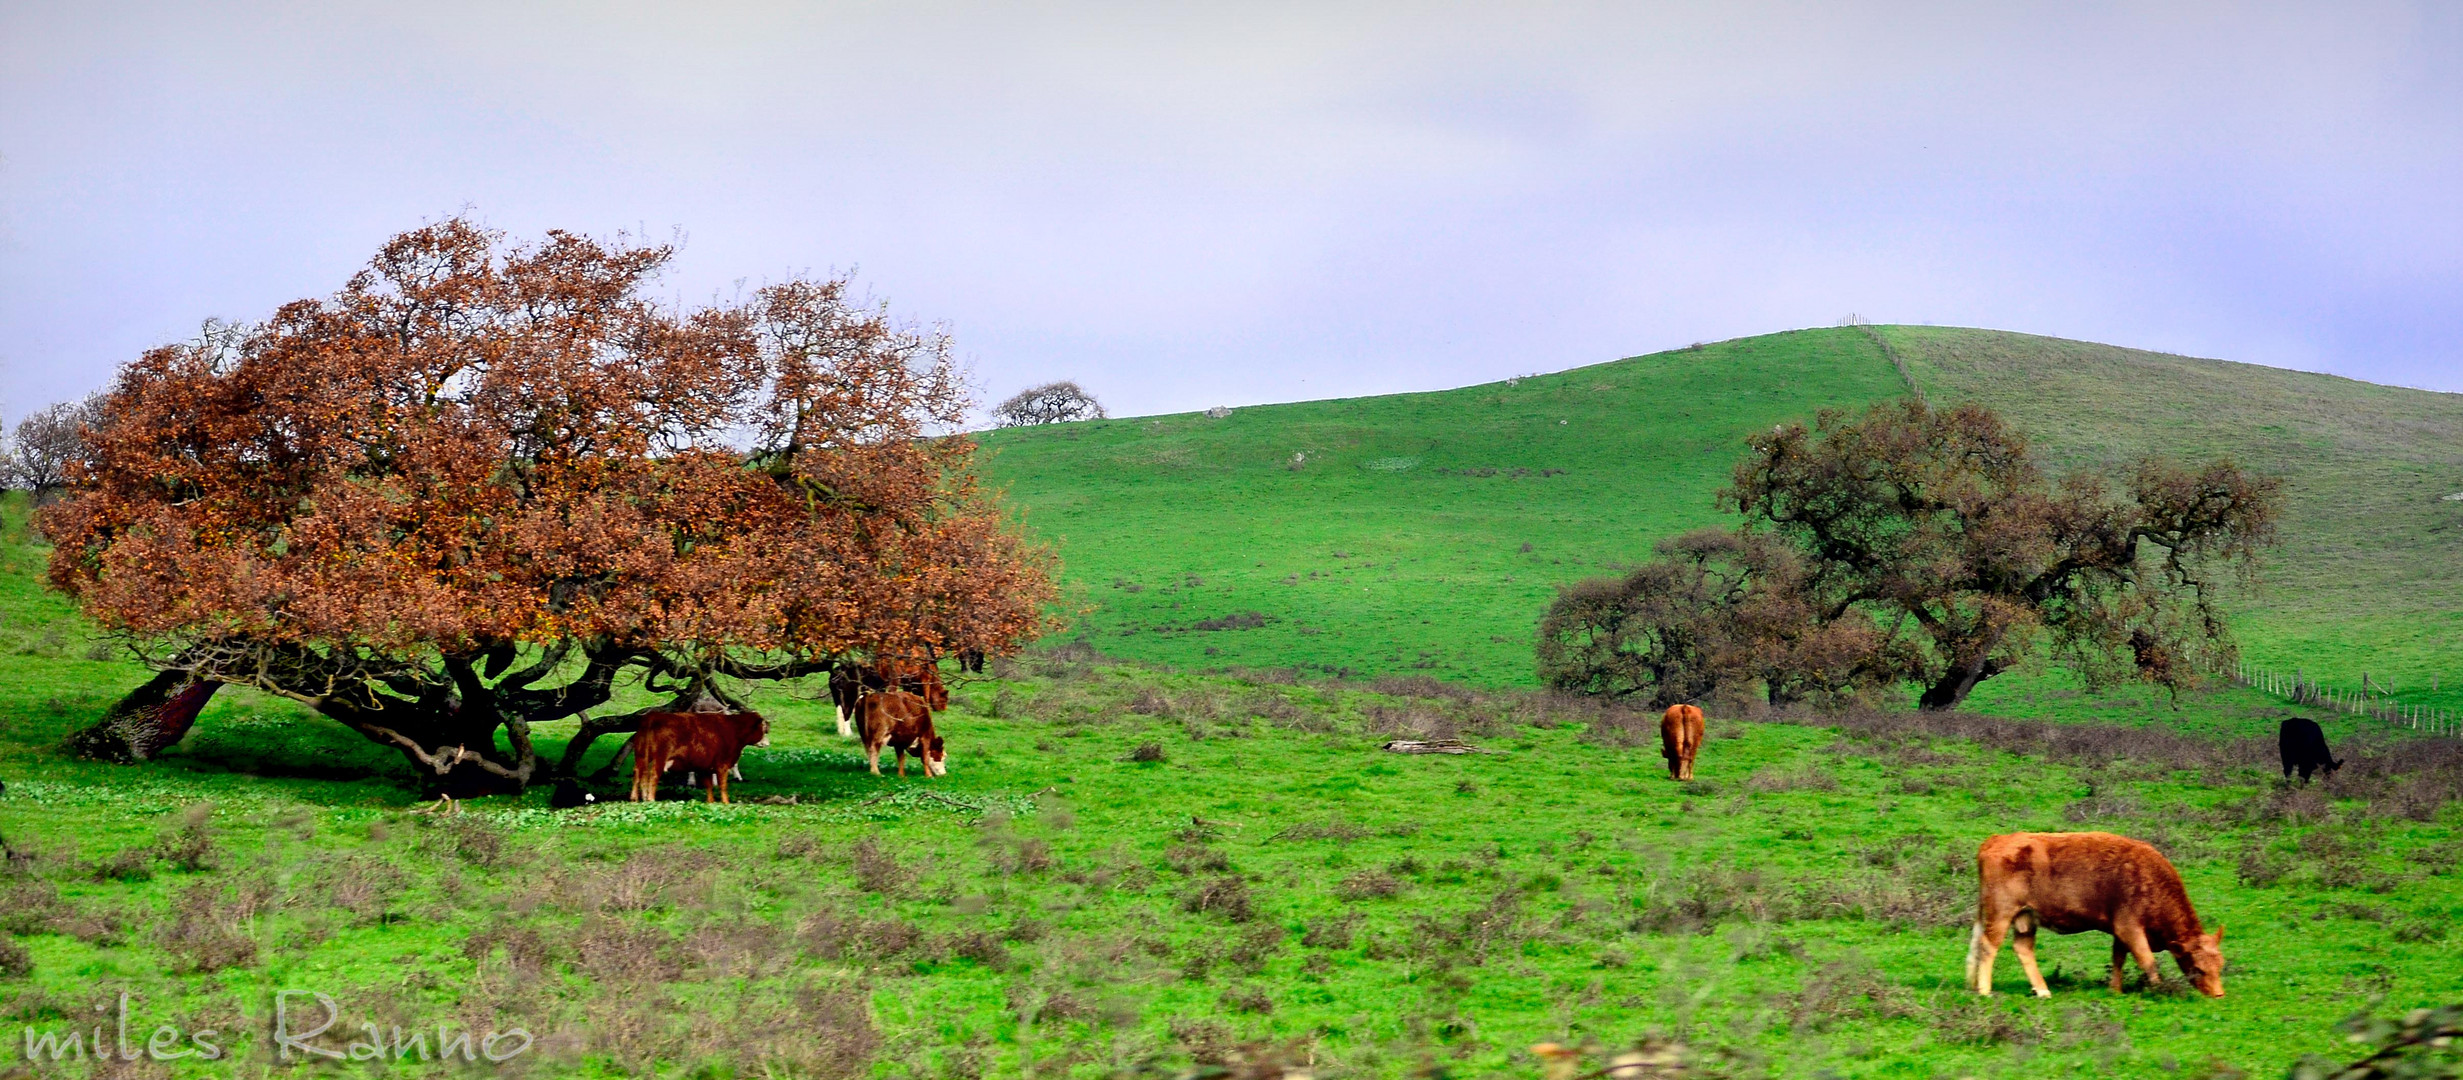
(2219, 933)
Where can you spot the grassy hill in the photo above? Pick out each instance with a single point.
(1425, 532)
(1130, 870)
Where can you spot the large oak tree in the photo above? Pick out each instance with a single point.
(486, 483)
(1940, 525)
(1910, 544)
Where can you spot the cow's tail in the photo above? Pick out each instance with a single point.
(1975, 951)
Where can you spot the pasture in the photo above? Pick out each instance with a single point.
(1128, 870)
(1199, 855)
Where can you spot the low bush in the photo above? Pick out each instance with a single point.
(1226, 896)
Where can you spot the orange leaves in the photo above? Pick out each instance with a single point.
(478, 442)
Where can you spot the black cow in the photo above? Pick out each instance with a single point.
(570, 795)
(2304, 748)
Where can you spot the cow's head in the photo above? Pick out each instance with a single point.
(935, 752)
(2202, 959)
(761, 728)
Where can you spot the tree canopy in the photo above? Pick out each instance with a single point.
(1051, 403)
(1911, 544)
(485, 481)
(46, 446)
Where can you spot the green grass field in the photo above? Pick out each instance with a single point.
(1058, 908)
(1139, 866)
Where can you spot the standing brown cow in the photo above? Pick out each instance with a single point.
(901, 721)
(2074, 882)
(705, 743)
(850, 682)
(1680, 736)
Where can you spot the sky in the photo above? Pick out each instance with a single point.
(1182, 206)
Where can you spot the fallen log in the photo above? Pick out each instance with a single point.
(1432, 746)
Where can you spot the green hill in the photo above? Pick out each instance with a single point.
(1425, 532)
(1130, 870)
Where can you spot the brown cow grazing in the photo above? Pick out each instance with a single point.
(2074, 882)
(901, 721)
(850, 682)
(708, 744)
(1680, 736)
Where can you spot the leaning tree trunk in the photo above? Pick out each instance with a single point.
(1954, 687)
(151, 717)
(452, 750)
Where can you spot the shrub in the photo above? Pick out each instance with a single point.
(1329, 933)
(1847, 990)
(1147, 752)
(624, 952)
(1026, 856)
(877, 870)
(468, 837)
(1196, 858)
(1226, 896)
(1333, 828)
(33, 907)
(830, 936)
(1805, 778)
(1368, 885)
(1257, 944)
(526, 950)
(203, 935)
(979, 946)
(132, 865)
(15, 961)
(191, 846)
(361, 885)
(2421, 930)
(2259, 868)
(1252, 999)
(2102, 808)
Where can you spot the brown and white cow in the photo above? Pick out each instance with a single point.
(708, 744)
(1680, 737)
(850, 682)
(2075, 882)
(901, 721)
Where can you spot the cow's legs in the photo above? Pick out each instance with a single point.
(722, 786)
(2136, 939)
(902, 763)
(846, 724)
(872, 757)
(2120, 955)
(2023, 943)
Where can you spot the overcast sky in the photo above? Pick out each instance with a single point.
(1182, 206)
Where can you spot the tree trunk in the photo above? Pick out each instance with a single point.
(589, 733)
(1954, 687)
(453, 750)
(151, 717)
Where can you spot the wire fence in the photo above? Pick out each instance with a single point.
(2371, 699)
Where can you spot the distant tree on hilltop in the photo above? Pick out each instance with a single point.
(1918, 545)
(46, 447)
(486, 484)
(1051, 403)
